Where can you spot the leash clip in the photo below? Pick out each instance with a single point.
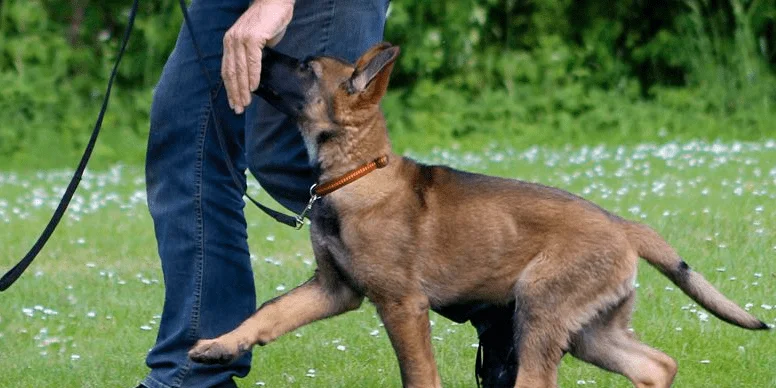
(300, 217)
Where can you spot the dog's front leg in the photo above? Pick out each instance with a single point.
(407, 324)
(318, 298)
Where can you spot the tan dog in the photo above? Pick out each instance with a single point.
(412, 237)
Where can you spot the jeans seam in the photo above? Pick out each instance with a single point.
(324, 43)
(200, 238)
(153, 383)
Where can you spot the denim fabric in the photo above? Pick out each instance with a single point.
(196, 207)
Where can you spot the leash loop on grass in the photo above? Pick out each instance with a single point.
(12, 275)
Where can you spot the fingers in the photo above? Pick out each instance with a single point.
(243, 86)
(263, 23)
(240, 70)
(229, 72)
(254, 55)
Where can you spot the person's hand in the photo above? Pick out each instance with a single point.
(263, 24)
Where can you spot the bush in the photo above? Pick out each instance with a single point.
(540, 71)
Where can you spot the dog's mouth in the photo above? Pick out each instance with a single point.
(268, 94)
(280, 84)
(274, 98)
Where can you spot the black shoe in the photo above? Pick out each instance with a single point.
(229, 384)
(496, 364)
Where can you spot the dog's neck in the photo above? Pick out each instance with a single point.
(351, 148)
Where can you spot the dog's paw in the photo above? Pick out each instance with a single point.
(213, 352)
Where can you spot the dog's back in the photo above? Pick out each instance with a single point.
(472, 235)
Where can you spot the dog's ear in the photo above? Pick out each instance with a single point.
(373, 69)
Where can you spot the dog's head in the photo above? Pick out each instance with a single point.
(330, 98)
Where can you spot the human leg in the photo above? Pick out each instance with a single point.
(197, 208)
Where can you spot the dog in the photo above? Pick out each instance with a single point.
(413, 238)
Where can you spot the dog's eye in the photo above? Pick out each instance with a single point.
(304, 66)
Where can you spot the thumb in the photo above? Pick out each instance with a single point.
(276, 39)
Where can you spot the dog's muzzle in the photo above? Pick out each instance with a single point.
(284, 80)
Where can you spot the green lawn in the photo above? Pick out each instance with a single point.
(86, 313)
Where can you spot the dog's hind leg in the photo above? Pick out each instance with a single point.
(555, 296)
(607, 343)
(407, 324)
(540, 345)
(323, 296)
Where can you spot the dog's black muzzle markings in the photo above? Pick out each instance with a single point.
(284, 80)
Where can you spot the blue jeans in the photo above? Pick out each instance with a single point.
(196, 206)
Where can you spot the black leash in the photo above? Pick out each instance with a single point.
(13, 274)
(294, 222)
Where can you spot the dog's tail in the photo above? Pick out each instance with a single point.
(655, 250)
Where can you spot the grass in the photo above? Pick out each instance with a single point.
(86, 313)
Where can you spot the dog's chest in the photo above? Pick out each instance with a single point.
(326, 234)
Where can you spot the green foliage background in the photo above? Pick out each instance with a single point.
(471, 71)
